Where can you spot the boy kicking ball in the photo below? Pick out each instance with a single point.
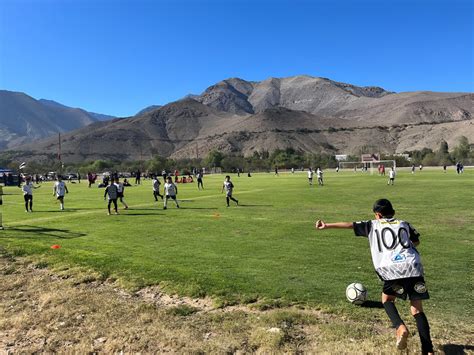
(397, 263)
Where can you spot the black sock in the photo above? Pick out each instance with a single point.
(392, 313)
(227, 200)
(424, 332)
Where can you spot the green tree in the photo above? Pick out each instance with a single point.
(214, 159)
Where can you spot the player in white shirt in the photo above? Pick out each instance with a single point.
(319, 174)
(120, 192)
(228, 186)
(59, 190)
(170, 192)
(27, 189)
(156, 188)
(397, 262)
(310, 176)
(391, 177)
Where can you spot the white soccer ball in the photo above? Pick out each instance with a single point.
(356, 293)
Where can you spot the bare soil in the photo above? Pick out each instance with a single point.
(71, 310)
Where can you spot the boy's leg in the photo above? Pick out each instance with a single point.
(115, 205)
(422, 325)
(108, 205)
(31, 203)
(123, 202)
(61, 203)
(175, 201)
(155, 194)
(165, 202)
(388, 302)
(26, 202)
(233, 199)
(227, 200)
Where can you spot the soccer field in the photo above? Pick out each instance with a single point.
(264, 251)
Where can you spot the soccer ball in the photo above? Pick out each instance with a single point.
(356, 293)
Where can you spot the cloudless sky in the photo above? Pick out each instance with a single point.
(117, 57)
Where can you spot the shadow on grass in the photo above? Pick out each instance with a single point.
(34, 231)
(197, 208)
(242, 205)
(141, 214)
(455, 349)
(372, 304)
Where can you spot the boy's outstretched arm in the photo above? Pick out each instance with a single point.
(323, 225)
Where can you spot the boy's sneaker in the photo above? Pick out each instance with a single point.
(164, 207)
(402, 337)
(237, 202)
(177, 206)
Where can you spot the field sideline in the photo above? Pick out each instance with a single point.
(264, 251)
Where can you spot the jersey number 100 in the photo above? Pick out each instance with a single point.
(401, 237)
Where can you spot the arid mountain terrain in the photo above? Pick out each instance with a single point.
(23, 118)
(302, 112)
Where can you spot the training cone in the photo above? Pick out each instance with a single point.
(55, 246)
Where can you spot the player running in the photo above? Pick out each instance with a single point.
(319, 174)
(170, 192)
(199, 179)
(59, 190)
(27, 189)
(156, 188)
(111, 192)
(120, 192)
(398, 264)
(228, 186)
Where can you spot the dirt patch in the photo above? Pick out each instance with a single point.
(45, 311)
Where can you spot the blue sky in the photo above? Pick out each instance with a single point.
(117, 57)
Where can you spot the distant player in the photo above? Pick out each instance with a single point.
(391, 177)
(413, 169)
(228, 186)
(199, 180)
(276, 170)
(170, 192)
(398, 264)
(319, 175)
(27, 189)
(59, 190)
(120, 192)
(156, 188)
(310, 176)
(111, 192)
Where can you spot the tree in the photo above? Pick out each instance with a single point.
(214, 159)
(462, 151)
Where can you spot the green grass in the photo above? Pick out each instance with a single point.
(265, 250)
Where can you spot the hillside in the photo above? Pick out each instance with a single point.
(23, 119)
(305, 113)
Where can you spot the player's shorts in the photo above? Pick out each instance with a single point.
(119, 194)
(173, 197)
(228, 193)
(28, 197)
(413, 287)
(59, 197)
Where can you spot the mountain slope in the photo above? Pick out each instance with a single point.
(23, 118)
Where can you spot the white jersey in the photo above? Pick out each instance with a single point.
(156, 185)
(310, 174)
(319, 173)
(228, 187)
(391, 174)
(391, 245)
(119, 187)
(170, 189)
(27, 188)
(59, 188)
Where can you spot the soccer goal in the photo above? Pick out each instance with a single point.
(373, 166)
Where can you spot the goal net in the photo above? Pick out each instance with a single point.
(375, 166)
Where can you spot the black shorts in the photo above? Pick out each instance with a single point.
(173, 197)
(119, 194)
(28, 197)
(60, 197)
(413, 287)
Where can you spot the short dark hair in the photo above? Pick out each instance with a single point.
(384, 207)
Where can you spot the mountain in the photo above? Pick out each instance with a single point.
(302, 112)
(147, 109)
(23, 119)
(97, 116)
